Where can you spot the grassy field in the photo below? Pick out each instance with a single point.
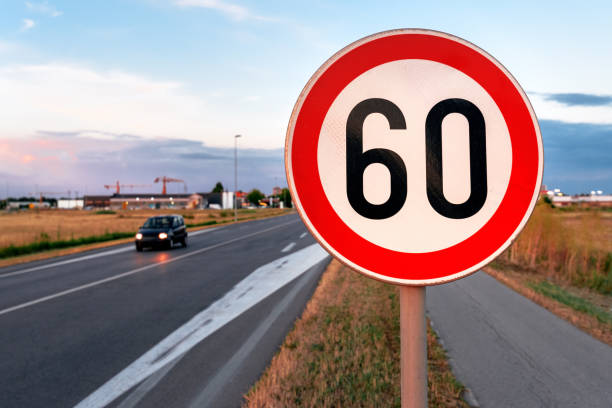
(344, 352)
(36, 230)
(574, 247)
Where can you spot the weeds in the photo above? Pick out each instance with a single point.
(45, 244)
(570, 246)
(201, 224)
(575, 302)
(344, 352)
(105, 212)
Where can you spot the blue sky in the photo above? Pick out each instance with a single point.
(92, 92)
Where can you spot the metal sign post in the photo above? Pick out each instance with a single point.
(415, 158)
(413, 338)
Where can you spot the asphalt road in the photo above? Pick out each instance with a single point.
(513, 353)
(178, 328)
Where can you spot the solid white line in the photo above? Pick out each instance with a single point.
(288, 247)
(260, 284)
(133, 271)
(303, 235)
(68, 261)
(86, 257)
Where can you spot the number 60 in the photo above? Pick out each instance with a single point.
(357, 160)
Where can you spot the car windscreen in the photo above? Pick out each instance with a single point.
(158, 222)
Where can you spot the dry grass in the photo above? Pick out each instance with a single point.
(25, 227)
(344, 351)
(575, 247)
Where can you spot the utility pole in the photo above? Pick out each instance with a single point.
(236, 177)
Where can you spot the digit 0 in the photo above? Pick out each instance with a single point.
(478, 158)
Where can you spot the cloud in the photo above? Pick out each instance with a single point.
(233, 11)
(577, 156)
(58, 96)
(54, 96)
(580, 99)
(27, 24)
(57, 161)
(573, 107)
(43, 8)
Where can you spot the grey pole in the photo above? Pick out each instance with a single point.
(236, 177)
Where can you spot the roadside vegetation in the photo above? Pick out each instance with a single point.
(570, 246)
(34, 231)
(563, 261)
(344, 351)
(575, 302)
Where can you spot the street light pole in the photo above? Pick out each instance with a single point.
(236, 177)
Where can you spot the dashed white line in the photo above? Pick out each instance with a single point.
(303, 235)
(133, 271)
(288, 247)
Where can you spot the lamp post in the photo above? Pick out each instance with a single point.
(236, 177)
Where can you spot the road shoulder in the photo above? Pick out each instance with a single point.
(344, 351)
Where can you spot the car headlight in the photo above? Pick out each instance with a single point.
(162, 235)
(139, 236)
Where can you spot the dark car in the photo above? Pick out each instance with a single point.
(162, 231)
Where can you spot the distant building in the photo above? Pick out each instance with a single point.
(276, 191)
(582, 200)
(224, 200)
(70, 203)
(25, 204)
(96, 201)
(155, 201)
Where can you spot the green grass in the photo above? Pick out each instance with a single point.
(602, 281)
(575, 302)
(46, 245)
(201, 224)
(104, 212)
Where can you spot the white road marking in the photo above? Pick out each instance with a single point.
(303, 235)
(207, 396)
(68, 261)
(133, 271)
(288, 247)
(147, 385)
(260, 284)
(86, 257)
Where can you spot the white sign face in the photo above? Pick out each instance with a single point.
(414, 86)
(414, 157)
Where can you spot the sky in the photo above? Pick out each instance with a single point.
(95, 92)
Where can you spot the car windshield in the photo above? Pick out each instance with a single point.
(158, 222)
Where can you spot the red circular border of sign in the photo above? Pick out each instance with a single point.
(386, 264)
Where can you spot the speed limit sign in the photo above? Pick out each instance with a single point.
(414, 157)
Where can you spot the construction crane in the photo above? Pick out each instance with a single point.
(165, 180)
(119, 186)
